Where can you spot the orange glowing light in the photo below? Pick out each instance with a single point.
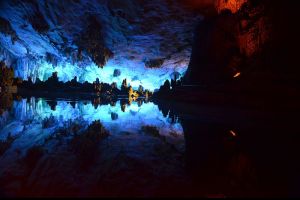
(237, 75)
(232, 5)
(233, 133)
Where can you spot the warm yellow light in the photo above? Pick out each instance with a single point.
(232, 133)
(237, 75)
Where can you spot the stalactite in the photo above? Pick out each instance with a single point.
(49, 40)
(4, 117)
(6, 56)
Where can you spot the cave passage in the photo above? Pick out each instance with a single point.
(149, 98)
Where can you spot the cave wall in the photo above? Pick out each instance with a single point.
(147, 41)
(248, 40)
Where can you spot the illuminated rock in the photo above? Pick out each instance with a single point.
(232, 5)
(75, 38)
(38, 109)
(228, 42)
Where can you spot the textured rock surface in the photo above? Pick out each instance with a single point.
(214, 45)
(232, 5)
(247, 38)
(75, 38)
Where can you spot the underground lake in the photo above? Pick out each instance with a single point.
(149, 98)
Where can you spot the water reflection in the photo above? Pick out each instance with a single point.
(58, 147)
(6, 102)
(138, 141)
(52, 144)
(128, 117)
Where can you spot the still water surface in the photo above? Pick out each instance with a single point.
(61, 147)
(49, 150)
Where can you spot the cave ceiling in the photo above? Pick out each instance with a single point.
(145, 41)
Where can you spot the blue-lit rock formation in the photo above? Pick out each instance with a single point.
(147, 41)
(31, 115)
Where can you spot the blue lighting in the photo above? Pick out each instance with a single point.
(130, 43)
(136, 75)
(131, 120)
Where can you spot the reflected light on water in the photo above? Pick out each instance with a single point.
(114, 117)
(60, 140)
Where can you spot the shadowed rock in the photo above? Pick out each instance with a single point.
(6, 28)
(92, 41)
(154, 63)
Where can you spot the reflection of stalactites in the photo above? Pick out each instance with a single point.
(140, 103)
(132, 95)
(5, 145)
(6, 101)
(97, 87)
(22, 114)
(123, 103)
(146, 100)
(172, 116)
(133, 113)
(123, 107)
(73, 104)
(113, 103)
(165, 112)
(96, 102)
(114, 116)
(52, 105)
(130, 100)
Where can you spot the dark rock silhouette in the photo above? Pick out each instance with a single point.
(54, 85)
(248, 40)
(92, 41)
(117, 73)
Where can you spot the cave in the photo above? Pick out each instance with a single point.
(149, 98)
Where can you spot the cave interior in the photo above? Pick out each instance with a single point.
(149, 98)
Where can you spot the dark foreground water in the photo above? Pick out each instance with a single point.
(58, 147)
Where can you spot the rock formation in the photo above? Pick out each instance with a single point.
(244, 38)
(145, 39)
(232, 5)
